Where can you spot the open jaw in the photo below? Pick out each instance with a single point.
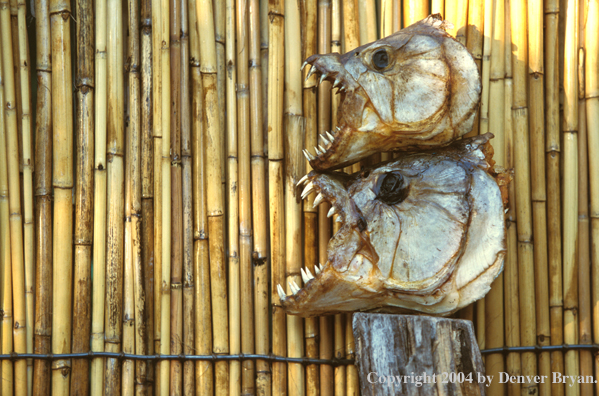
(424, 232)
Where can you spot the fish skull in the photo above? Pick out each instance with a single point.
(416, 88)
(424, 232)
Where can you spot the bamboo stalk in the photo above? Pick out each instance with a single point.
(386, 17)
(245, 195)
(538, 192)
(438, 7)
(82, 308)
(99, 239)
(260, 253)
(214, 198)
(176, 220)
(27, 180)
(484, 46)
(203, 329)
(311, 332)
(327, 376)
(570, 197)
(397, 17)
(592, 127)
(552, 163)
(339, 353)
(233, 200)
(453, 14)
(584, 256)
(62, 177)
(43, 204)
(218, 7)
(522, 186)
(167, 203)
(15, 220)
(415, 10)
(474, 43)
(186, 158)
(135, 186)
(351, 27)
(115, 193)
(5, 247)
(510, 275)
(146, 378)
(367, 17)
(276, 76)
(494, 307)
(294, 170)
(264, 54)
(157, 82)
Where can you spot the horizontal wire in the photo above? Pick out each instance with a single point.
(544, 348)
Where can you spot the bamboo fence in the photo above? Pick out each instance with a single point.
(149, 153)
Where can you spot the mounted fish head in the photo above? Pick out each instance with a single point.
(424, 232)
(417, 88)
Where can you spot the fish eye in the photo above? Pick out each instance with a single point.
(391, 188)
(380, 59)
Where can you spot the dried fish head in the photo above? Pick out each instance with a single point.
(424, 232)
(417, 88)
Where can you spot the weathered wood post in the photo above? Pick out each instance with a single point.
(417, 355)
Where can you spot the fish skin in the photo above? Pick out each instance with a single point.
(427, 95)
(433, 242)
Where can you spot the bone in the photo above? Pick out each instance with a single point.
(309, 188)
(323, 77)
(332, 211)
(302, 181)
(317, 270)
(330, 136)
(304, 65)
(308, 156)
(282, 294)
(322, 149)
(294, 287)
(309, 273)
(337, 82)
(318, 200)
(325, 139)
(318, 151)
(312, 71)
(321, 267)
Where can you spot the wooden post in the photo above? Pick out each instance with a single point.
(390, 346)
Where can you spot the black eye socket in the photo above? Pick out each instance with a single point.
(380, 59)
(391, 188)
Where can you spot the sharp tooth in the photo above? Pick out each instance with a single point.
(282, 294)
(337, 82)
(318, 200)
(309, 188)
(332, 211)
(330, 136)
(304, 65)
(294, 287)
(310, 276)
(323, 77)
(317, 270)
(325, 139)
(321, 267)
(322, 149)
(312, 71)
(318, 151)
(304, 276)
(337, 129)
(302, 181)
(308, 156)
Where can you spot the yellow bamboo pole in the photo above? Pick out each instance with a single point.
(552, 164)
(245, 194)
(63, 189)
(387, 16)
(99, 238)
(397, 17)
(5, 247)
(214, 205)
(456, 12)
(167, 204)
(26, 166)
(258, 201)
(570, 197)
(276, 79)
(592, 127)
(494, 307)
(438, 7)
(310, 213)
(115, 192)
(187, 189)
(366, 16)
(584, 256)
(510, 275)
(157, 164)
(538, 193)
(218, 7)
(145, 372)
(203, 329)
(176, 220)
(415, 10)
(474, 43)
(232, 199)
(43, 204)
(82, 308)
